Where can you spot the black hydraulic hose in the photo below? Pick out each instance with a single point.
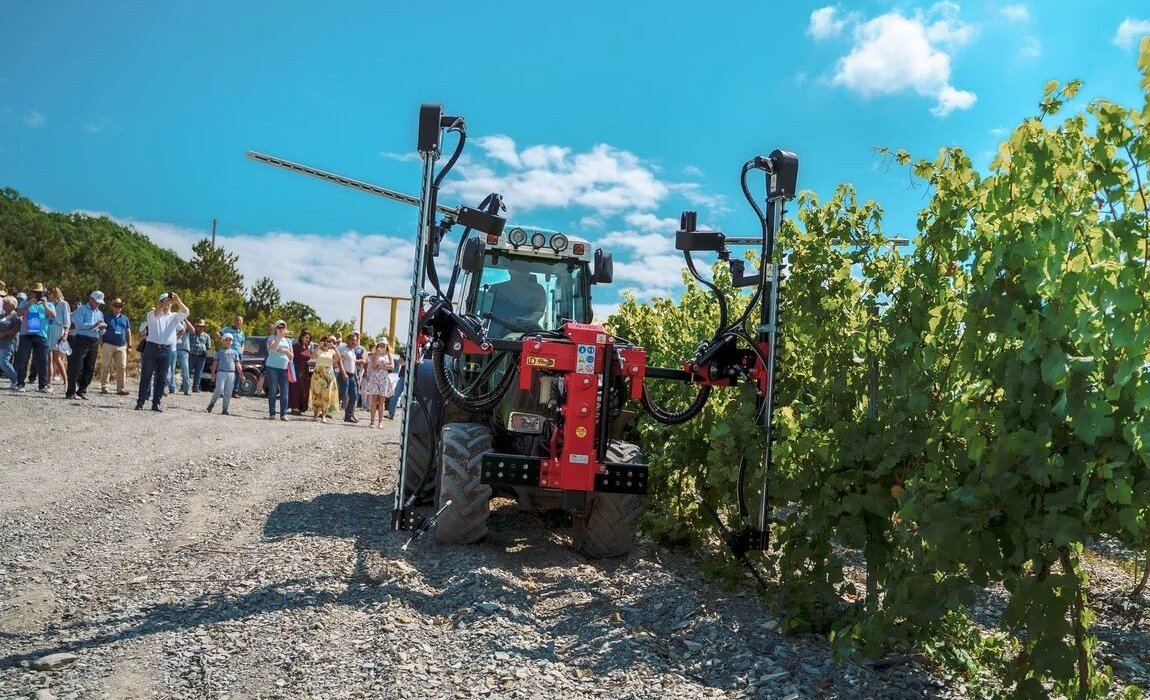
(676, 417)
(714, 290)
(454, 396)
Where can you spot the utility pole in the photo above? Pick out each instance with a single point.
(213, 233)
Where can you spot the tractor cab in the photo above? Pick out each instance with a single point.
(530, 280)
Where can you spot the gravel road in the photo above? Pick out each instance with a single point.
(188, 555)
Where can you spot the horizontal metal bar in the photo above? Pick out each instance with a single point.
(741, 240)
(667, 373)
(347, 182)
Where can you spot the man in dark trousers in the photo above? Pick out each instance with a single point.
(162, 324)
(89, 323)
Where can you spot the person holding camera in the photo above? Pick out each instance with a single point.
(35, 315)
(162, 324)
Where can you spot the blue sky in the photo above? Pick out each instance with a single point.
(600, 119)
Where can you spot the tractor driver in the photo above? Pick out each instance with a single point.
(517, 304)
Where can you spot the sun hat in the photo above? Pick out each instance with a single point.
(3, 290)
(39, 287)
(202, 322)
(117, 302)
(97, 296)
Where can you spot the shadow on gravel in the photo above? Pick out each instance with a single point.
(594, 617)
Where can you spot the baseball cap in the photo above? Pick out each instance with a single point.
(228, 336)
(22, 296)
(97, 296)
(163, 297)
(281, 323)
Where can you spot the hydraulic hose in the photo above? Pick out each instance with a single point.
(676, 417)
(476, 404)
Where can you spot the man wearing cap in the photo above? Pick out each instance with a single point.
(238, 337)
(162, 324)
(89, 323)
(114, 347)
(35, 315)
(200, 346)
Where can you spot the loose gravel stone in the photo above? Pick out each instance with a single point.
(252, 558)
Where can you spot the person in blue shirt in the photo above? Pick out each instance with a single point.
(200, 346)
(35, 314)
(115, 345)
(224, 373)
(89, 323)
(236, 330)
(276, 369)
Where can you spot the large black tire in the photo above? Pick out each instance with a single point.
(420, 463)
(608, 528)
(461, 448)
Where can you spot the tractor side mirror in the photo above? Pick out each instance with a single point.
(471, 260)
(604, 268)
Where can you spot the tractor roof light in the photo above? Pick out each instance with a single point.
(538, 240)
(517, 236)
(559, 243)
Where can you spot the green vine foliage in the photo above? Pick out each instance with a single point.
(950, 418)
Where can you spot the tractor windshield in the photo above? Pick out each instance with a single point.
(522, 294)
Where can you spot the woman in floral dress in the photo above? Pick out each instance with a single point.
(324, 392)
(377, 386)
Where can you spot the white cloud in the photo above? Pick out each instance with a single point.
(607, 179)
(602, 311)
(893, 53)
(1130, 32)
(352, 264)
(692, 171)
(1031, 47)
(34, 119)
(501, 148)
(1016, 13)
(826, 23)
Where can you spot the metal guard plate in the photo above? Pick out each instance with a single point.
(622, 477)
(512, 470)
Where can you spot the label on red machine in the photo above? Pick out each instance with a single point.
(585, 360)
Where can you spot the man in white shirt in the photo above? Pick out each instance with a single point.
(351, 359)
(162, 325)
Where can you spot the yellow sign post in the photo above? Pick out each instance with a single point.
(391, 324)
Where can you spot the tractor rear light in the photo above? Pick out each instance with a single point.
(578, 249)
(492, 239)
(525, 423)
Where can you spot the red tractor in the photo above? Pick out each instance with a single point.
(516, 392)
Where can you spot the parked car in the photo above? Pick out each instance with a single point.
(252, 356)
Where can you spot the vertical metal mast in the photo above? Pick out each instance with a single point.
(430, 117)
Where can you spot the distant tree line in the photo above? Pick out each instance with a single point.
(80, 253)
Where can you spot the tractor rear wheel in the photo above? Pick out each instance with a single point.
(461, 449)
(608, 528)
(421, 468)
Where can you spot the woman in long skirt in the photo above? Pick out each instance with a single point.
(300, 392)
(324, 392)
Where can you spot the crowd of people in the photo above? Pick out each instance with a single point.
(45, 339)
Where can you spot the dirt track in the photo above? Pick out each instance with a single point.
(254, 559)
